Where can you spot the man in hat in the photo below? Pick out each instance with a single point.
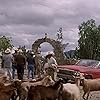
(51, 66)
(7, 60)
(14, 64)
(31, 65)
(20, 64)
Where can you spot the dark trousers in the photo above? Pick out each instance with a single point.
(20, 71)
(13, 71)
(31, 71)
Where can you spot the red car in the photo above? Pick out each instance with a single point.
(89, 68)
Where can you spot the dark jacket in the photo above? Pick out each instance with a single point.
(20, 59)
(30, 60)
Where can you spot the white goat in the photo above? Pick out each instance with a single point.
(70, 92)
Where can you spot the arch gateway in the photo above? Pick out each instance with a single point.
(58, 48)
(58, 51)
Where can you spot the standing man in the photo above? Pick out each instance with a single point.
(20, 62)
(51, 66)
(14, 64)
(7, 60)
(31, 65)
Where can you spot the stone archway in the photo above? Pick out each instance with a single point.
(58, 51)
(58, 48)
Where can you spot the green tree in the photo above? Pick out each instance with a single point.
(89, 40)
(5, 43)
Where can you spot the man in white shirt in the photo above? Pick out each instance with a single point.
(51, 66)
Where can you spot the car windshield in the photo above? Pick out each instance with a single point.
(90, 63)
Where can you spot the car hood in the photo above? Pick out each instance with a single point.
(73, 67)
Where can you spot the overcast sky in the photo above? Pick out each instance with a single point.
(27, 20)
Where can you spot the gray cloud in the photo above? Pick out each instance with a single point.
(27, 20)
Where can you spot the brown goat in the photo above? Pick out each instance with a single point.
(45, 93)
(90, 85)
(21, 93)
(6, 92)
(3, 78)
(23, 86)
(46, 81)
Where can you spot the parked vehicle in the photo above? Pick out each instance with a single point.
(89, 68)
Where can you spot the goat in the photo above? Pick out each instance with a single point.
(7, 91)
(3, 78)
(90, 85)
(21, 92)
(70, 92)
(22, 87)
(40, 92)
(46, 81)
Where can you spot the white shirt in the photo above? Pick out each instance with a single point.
(7, 58)
(52, 61)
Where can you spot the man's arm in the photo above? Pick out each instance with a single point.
(55, 62)
(24, 60)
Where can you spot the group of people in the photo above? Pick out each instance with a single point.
(18, 61)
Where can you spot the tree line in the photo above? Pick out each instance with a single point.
(5, 42)
(89, 40)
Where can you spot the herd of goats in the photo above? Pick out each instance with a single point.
(46, 89)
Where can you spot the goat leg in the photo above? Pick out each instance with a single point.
(88, 95)
(84, 95)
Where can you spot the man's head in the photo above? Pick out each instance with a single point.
(49, 55)
(20, 51)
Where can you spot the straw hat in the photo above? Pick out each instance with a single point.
(7, 51)
(34, 56)
(32, 53)
(50, 53)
